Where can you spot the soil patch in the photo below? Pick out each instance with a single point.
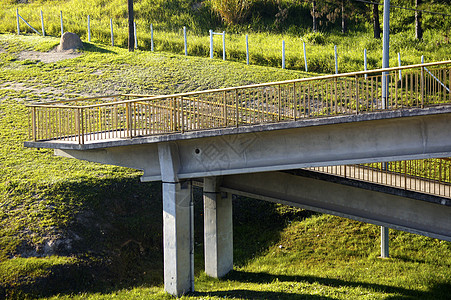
(49, 57)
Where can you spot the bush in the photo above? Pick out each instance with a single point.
(316, 38)
(231, 11)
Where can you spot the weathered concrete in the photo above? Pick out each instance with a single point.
(416, 216)
(177, 225)
(218, 229)
(415, 137)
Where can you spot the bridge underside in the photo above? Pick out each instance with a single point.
(256, 161)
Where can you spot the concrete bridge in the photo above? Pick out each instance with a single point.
(330, 144)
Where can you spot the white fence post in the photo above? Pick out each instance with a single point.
(42, 24)
(399, 64)
(223, 46)
(89, 28)
(18, 25)
(112, 33)
(136, 38)
(247, 49)
(283, 54)
(336, 59)
(365, 62)
(151, 37)
(211, 44)
(305, 57)
(184, 37)
(61, 18)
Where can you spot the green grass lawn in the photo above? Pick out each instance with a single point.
(76, 230)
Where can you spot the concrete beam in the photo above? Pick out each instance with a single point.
(218, 229)
(414, 137)
(178, 233)
(427, 218)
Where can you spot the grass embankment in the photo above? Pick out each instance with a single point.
(72, 229)
(265, 47)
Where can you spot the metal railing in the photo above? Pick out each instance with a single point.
(126, 116)
(431, 176)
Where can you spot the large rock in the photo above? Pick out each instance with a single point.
(69, 41)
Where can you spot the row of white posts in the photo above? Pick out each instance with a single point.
(212, 33)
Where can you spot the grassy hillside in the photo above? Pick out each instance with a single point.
(76, 230)
(266, 31)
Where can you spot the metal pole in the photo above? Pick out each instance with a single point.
(384, 242)
(211, 44)
(305, 57)
(136, 38)
(385, 53)
(112, 33)
(223, 46)
(247, 49)
(399, 64)
(184, 37)
(61, 18)
(89, 28)
(151, 37)
(17, 16)
(283, 54)
(131, 31)
(336, 59)
(42, 24)
(365, 63)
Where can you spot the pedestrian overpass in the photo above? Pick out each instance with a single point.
(335, 144)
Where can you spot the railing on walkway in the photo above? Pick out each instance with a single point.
(430, 176)
(126, 116)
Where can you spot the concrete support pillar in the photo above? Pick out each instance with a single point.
(177, 225)
(384, 242)
(218, 229)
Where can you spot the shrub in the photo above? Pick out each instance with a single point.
(316, 38)
(231, 11)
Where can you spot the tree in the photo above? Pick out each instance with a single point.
(418, 19)
(131, 30)
(315, 25)
(231, 11)
(376, 23)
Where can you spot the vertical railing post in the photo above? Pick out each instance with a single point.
(136, 35)
(182, 117)
(422, 82)
(33, 123)
(236, 103)
(225, 108)
(357, 94)
(129, 119)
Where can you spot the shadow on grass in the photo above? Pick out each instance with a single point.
(119, 222)
(437, 291)
(89, 47)
(250, 294)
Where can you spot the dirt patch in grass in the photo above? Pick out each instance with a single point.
(48, 57)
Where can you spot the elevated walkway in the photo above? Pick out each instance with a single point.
(331, 144)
